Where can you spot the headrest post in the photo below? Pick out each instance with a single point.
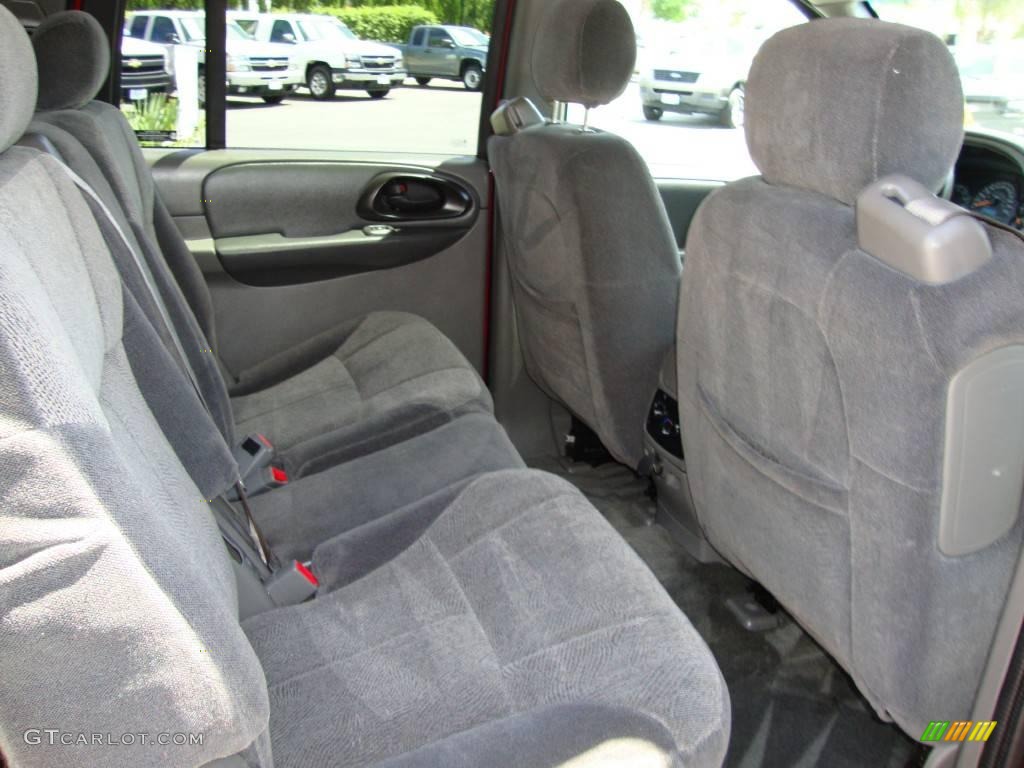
(586, 119)
(559, 112)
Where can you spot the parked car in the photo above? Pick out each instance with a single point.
(446, 52)
(328, 54)
(144, 69)
(699, 78)
(992, 75)
(259, 69)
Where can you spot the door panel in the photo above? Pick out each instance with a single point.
(682, 199)
(291, 246)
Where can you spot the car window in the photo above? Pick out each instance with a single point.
(438, 38)
(417, 37)
(279, 30)
(163, 30)
(355, 89)
(683, 109)
(987, 43)
(137, 27)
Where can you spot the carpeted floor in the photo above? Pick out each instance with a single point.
(792, 706)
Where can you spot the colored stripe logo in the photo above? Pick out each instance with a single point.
(958, 730)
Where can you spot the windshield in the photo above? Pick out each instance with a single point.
(195, 29)
(467, 36)
(326, 29)
(986, 38)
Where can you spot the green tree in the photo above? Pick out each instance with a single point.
(673, 10)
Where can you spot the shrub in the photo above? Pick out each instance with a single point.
(388, 23)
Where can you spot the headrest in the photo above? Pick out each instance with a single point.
(18, 81)
(74, 60)
(836, 104)
(584, 52)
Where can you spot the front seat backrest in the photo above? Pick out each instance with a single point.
(594, 264)
(817, 368)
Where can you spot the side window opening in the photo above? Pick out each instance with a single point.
(332, 77)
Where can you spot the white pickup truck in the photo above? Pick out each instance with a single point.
(329, 53)
(259, 69)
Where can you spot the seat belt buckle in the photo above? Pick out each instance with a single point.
(254, 456)
(292, 585)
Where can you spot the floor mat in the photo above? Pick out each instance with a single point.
(792, 706)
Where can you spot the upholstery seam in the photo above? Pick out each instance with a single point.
(640, 620)
(887, 476)
(915, 302)
(887, 69)
(507, 695)
(543, 505)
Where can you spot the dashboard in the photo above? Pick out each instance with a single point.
(991, 183)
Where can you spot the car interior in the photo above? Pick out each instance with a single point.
(524, 456)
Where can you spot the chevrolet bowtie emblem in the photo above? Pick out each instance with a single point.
(133, 63)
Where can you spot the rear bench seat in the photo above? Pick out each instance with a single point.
(508, 626)
(348, 391)
(422, 456)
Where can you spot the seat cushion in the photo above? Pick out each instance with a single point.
(519, 597)
(428, 471)
(389, 376)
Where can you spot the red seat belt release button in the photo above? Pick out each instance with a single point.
(307, 574)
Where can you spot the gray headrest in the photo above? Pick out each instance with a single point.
(836, 104)
(17, 80)
(584, 52)
(74, 60)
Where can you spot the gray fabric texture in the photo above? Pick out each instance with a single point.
(562, 735)
(595, 272)
(584, 52)
(19, 80)
(97, 143)
(392, 377)
(73, 59)
(106, 626)
(518, 597)
(862, 99)
(812, 389)
(197, 439)
(304, 513)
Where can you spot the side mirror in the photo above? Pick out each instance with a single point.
(288, 37)
(172, 38)
(449, 43)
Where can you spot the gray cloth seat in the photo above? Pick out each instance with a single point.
(348, 391)
(814, 375)
(594, 265)
(519, 597)
(517, 608)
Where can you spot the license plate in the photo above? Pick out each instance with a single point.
(137, 94)
(383, 80)
(276, 85)
(670, 98)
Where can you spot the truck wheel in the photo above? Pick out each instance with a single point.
(320, 82)
(653, 113)
(273, 98)
(379, 94)
(472, 77)
(733, 115)
(423, 80)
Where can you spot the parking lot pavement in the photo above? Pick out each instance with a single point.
(443, 118)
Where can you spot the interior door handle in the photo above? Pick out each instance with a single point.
(414, 197)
